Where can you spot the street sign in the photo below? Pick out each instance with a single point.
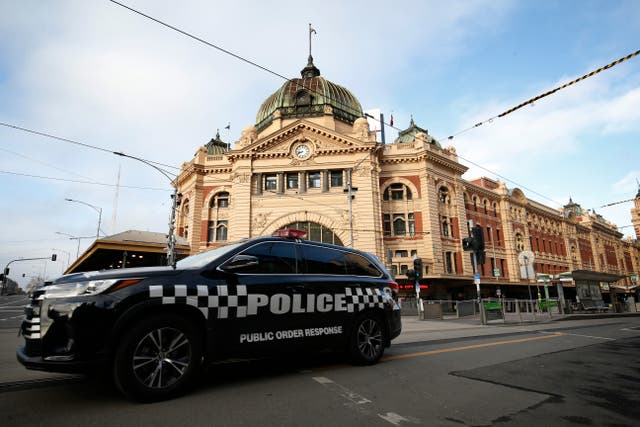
(496, 272)
(476, 278)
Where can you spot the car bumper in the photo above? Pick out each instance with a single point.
(56, 364)
(395, 324)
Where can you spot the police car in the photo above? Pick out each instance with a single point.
(155, 327)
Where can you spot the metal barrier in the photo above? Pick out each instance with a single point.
(514, 310)
(491, 310)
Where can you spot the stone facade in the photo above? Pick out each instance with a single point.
(409, 199)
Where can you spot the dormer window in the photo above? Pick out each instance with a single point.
(303, 98)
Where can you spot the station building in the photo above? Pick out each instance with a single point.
(311, 161)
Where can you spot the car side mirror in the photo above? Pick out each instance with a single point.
(240, 261)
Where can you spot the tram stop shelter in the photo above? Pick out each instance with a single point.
(132, 248)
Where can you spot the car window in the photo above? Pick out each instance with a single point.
(358, 265)
(204, 258)
(323, 260)
(273, 258)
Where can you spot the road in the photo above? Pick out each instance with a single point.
(11, 311)
(563, 373)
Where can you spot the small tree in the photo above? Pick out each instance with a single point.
(34, 283)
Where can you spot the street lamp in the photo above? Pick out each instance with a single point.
(96, 208)
(171, 244)
(72, 237)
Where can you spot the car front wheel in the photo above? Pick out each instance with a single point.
(157, 358)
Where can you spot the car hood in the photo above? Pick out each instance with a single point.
(140, 272)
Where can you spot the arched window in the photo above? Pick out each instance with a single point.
(484, 204)
(475, 203)
(399, 225)
(218, 224)
(220, 200)
(397, 191)
(316, 232)
(221, 230)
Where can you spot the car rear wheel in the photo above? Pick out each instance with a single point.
(157, 358)
(368, 340)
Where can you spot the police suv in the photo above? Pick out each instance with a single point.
(155, 327)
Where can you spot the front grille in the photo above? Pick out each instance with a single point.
(30, 327)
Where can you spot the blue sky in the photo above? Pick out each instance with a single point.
(96, 73)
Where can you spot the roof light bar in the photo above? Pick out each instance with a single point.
(290, 233)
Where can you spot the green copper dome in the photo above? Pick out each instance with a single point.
(216, 145)
(308, 97)
(409, 135)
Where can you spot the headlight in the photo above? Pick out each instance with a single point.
(74, 289)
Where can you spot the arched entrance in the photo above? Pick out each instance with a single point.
(316, 232)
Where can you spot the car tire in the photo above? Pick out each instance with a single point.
(368, 338)
(157, 358)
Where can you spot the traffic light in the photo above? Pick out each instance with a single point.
(1, 277)
(467, 243)
(6, 271)
(480, 257)
(54, 257)
(417, 267)
(478, 238)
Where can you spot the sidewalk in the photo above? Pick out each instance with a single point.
(416, 330)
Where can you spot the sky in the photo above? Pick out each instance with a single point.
(98, 74)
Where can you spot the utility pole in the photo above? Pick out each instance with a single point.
(171, 253)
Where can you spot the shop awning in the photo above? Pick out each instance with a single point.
(595, 276)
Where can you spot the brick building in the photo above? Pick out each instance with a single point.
(311, 148)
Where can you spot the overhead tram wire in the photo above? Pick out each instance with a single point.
(46, 164)
(71, 141)
(103, 184)
(531, 101)
(616, 203)
(550, 92)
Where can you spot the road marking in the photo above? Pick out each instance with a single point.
(394, 418)
(589, 336)
(342, 391)
(360, 402)
(14, 317)
(469, 347)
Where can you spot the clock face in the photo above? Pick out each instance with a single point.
(302, 151)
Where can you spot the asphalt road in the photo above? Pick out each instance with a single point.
(564, 373)
(12, 311)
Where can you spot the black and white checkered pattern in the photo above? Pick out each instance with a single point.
(359, 298)
(220, 301)
(225, 302)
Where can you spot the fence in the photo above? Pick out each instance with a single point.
(491, 310)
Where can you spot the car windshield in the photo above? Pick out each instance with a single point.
(204, 258)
